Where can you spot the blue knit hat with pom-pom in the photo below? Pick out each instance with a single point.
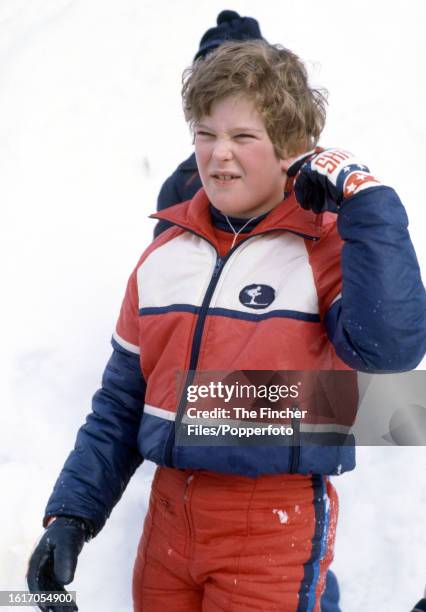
(230, 26)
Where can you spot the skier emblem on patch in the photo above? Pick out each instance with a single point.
(257, 296)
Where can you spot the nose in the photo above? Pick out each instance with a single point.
(222, 150)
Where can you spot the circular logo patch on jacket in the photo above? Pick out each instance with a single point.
(257, 296)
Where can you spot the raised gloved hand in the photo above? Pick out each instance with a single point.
(324, 178)
(53, 562)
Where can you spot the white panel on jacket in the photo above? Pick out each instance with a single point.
(279, 261)
(177, 272)
(132, 348)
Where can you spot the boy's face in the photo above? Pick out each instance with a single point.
(236, 159)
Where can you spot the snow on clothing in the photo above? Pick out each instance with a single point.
(181, 310)
(180, 186)
(232, 543)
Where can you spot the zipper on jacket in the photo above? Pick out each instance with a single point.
(195, 350)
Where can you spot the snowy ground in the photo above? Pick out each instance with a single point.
(90, 125)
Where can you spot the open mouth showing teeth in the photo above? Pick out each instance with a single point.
(225, 177)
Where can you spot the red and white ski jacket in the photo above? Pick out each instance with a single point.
(299, 292)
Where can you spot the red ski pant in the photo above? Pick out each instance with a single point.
(215, 543)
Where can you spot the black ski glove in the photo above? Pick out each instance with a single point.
(53, 562)
(420, 606)
(323, 178)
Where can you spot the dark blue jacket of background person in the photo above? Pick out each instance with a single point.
(182, 185)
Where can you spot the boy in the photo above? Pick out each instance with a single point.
(241, 527)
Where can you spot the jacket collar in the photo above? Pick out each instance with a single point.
(194, 215)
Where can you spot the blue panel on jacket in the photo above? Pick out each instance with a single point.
(380, 322)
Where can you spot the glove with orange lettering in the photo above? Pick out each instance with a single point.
(324, 178)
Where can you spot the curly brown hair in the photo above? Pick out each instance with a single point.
(273, 77)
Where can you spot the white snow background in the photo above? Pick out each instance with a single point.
(90, 126)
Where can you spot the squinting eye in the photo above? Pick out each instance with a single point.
(201, 133)
(244, 136)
